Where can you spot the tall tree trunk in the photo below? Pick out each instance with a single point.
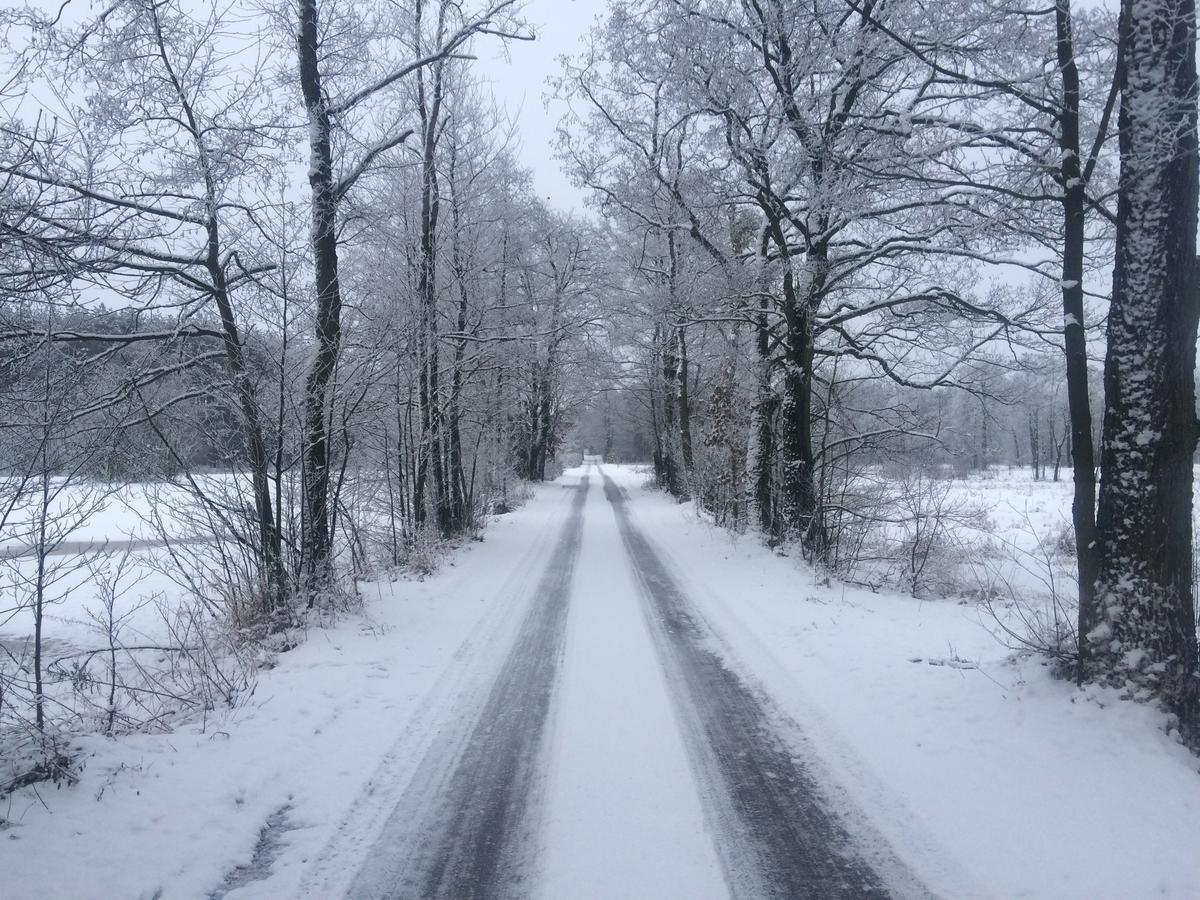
(433, 462)
(533, 423)
(1032, 420)
(548, 385)
(545, 427)
(1083, 460)
(801, 512)
(281, 413)
(660, 459)
(685, 418)
(269, 558)
(457, 511)
(670, 410)
(765, 411)
(798, 492)
(401, 510)
(316, 541)
(458, 483)
(678, 377)
(1145, 627)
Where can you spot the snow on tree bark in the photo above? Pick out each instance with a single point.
(1145, 630)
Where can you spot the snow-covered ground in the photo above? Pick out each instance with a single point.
(1019, 527)
(107, 543)
(129, 573)
(1015, 506)
(1000, 534)
(98, 512)
(338, 720)
(989, 777)
(986, 777)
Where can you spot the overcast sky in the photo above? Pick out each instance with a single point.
(519, 84)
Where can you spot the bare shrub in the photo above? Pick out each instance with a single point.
(901, 529)
(926, 513)
(1030, 595)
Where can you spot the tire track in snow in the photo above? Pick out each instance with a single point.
(776, 838)
(620, 809)
(457, 831)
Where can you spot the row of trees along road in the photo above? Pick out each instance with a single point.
(294, 244)
(850, 227)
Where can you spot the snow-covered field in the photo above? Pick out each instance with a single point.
(126, 584)
(999, 535)
(98, 512)
(1017, 507)
(1007, 514)
(104, 540)
(107, 539)
(987, 777)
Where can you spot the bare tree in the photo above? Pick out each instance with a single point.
(1039, 135)
(330, 179)
(1144, 627)
(801, 120)
(159, 199)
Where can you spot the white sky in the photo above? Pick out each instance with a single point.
(519, 85)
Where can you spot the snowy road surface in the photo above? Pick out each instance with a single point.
(614, 755)
(474, 794)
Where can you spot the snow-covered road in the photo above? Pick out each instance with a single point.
(615, 755)
(459, 828)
